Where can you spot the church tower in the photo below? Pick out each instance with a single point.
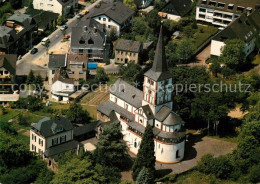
(157, 88)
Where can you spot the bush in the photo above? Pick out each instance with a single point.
(4, 111)
(22, 120)
(254, 174)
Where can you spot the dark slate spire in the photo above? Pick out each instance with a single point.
(159, 70)
(159, 63)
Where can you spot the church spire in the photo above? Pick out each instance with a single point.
(159, 63)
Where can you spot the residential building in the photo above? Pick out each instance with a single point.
(7, 79)
(127, 51)
(89, 38)
(141, 4)
(51, 137)
(43, 19)
(62, 7)
(18, 31)
(62, 86)
(113, 15)
(77, 66)
(175, 9)
(135, 109)
(56, 61)
(246, 28)
(222, 12)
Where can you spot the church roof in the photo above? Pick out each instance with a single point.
(168, 117)
(127, 93)
(159, 70)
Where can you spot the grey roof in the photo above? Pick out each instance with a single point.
(128, 45)
(117, 11)
(159, 70)
(127, 92)
(168, 117)
(42, 18)
(57, 61)
(236, 3)
(89, 34)
(4, 30)
(21, 18)
(148, 112)
(8, 62)
(244, 28)
(47, 127)
(87, 128)
(157, 132)
(177, 7)
(108, 107)
(61, 148)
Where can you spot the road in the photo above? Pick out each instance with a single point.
(24, 65)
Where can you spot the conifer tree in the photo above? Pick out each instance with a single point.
(145, 156)
(30, 78)
(144, 177)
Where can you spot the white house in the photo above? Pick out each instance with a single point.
(135, 109)
(175, 9)
(115, 15)
(62, 86)
(245, 28)
(51, 137)
(222, 12)
(62, 7)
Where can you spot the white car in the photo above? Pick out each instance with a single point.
(63, 27)
(79, 16)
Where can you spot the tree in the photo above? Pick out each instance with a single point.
(131, 72)
(38, 82)
(30, 78)
(215, 68)
(84, 170)
(144, 177)
(22, 120)
(130, 4)
(13, 151)
(101, 76)
(153, 19)
(4, 111)
(145, 156)
(45, 176)
(54, 25)
(112, 35)
(60, 20)
(33, 103)
(111, 150)
(77, 115)
(233, 54)
(184, 50)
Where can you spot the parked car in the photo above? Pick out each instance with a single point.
(34, 51)
(45, 40)
(79, 16)
(84, 12)
(63, 27)
(66, 37)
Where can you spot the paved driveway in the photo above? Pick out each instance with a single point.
(195, 149)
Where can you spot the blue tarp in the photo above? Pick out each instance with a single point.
(92, 65)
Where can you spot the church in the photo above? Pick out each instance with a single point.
(135, 109)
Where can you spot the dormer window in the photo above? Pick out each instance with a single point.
(221, 5)
(212, 3)
(204, 2)
(230, 6)
(240, 8)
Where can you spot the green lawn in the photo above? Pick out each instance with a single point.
(200, 38)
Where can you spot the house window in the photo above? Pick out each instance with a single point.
(32, 147)
(126, 106)
(141, 121)
(108, 26)
(104, 19)
(99, 18)
(109, 20)
(32, 136)
(135, 144)
(115, 100)
(53, 72)
(152, 82)
(54, 141)
(63, 139)
(81, 72)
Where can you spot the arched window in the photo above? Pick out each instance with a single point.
(90, 41)
(177, 154)
(135, 144)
